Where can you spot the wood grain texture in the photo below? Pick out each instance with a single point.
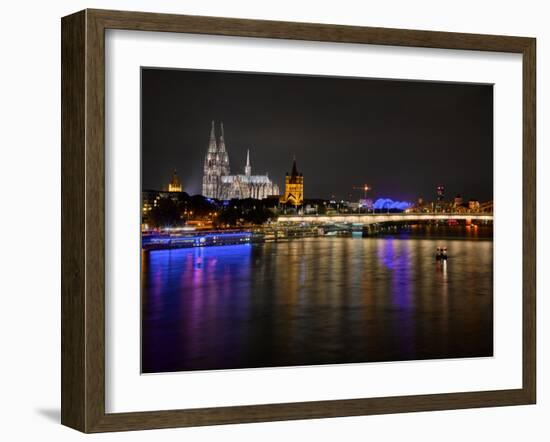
(95, 222)
(83, 220)
(144, 21)
(73, 254)
(529, 221)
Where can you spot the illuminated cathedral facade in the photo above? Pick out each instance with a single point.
(217, 182)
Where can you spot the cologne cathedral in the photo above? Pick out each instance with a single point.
(217, 182)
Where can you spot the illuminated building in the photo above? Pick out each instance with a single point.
(216, 165)
(247, 185)
(473, 205)
(294, 187)
(366, 203)
(219, 183)
(150, 199)
(440, 198)
(458, 201)
(175, 183)
(389, 204)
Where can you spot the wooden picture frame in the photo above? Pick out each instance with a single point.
(83, 220)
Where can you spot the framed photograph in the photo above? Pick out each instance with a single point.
(268, 221)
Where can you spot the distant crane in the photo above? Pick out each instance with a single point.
(365, 188)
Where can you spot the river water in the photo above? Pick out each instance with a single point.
(310, 301)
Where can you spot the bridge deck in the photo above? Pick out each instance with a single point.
(375, 218)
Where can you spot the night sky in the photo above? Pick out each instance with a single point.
(402, 138)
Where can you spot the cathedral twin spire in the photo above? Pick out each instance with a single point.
(216, 164)
(218, 147)
(213, 145)
(217, 156)
(221, 146)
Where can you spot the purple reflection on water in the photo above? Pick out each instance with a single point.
(395, 255)
(188, 306)
(314, 301)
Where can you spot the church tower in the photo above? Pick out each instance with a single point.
(216, 164)
(247, 168)
(294, 187)
(175, 184)
(224, 158)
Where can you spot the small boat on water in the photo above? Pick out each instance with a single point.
(441, 253)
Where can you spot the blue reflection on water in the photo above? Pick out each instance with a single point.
(396, 257)
(189, 296)
(314, 301)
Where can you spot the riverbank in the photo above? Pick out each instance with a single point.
(278, 233)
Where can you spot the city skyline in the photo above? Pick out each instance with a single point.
(259, 252)
(399, 137)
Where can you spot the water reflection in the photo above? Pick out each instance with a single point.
(315, 301)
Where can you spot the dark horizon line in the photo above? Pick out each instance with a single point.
(324, 199)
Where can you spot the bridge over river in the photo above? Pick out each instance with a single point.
(381, 218)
